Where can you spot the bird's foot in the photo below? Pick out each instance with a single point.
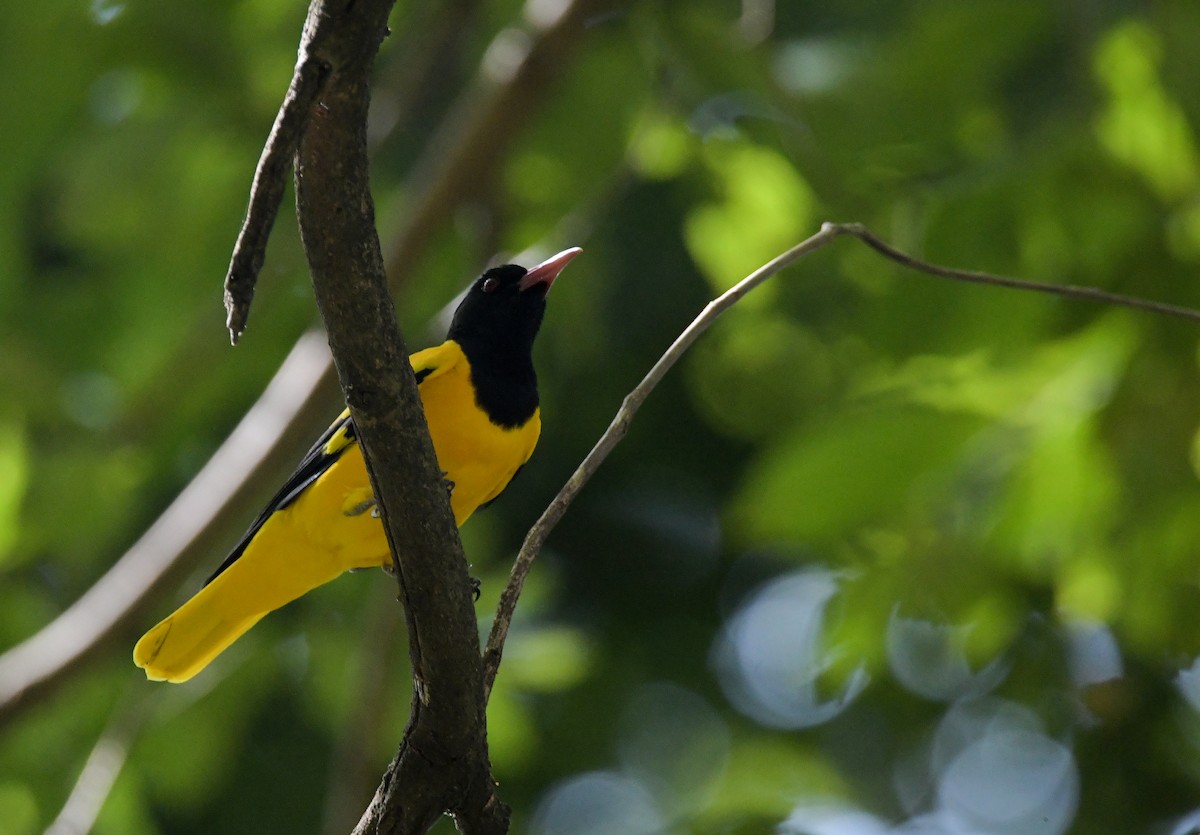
(476, 589)
(449, 484)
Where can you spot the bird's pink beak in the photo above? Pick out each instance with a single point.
(548, 270)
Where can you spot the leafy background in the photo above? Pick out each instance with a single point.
(884, 554)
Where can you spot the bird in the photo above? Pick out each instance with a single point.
(480, 396)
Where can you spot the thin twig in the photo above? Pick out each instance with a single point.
(868, 237)
(193, 525)
(100, 771)
(615, 432)
(266, 192)
(620, 424)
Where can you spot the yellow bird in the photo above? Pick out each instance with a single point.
(480, 396)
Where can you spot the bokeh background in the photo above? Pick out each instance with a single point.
(884, 553)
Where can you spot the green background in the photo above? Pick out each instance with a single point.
(883, 550)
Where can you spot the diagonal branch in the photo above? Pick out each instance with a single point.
(194, 525)
(266, 192)
(101, 769)
(617, 430)
(455, 163)
(612, 436)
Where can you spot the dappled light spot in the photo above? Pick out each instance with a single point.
(103, 12)
(763, 206)
(1143, 126)
(597, 803)
(997, 771)
(1187, 682)
(1011, 780)
(1093, 655)
(548, 658)
(928, 659)
(991, 769)
(814, 65)
(1189, 824)
(676, 744)
(505, 55)
(116, 95)
(1097, 670)
(661, 147)
(770, 655)
(91, 399)
(15, 466)
(832, 819)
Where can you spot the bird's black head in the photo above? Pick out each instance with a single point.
(501, 313)
(495, 324)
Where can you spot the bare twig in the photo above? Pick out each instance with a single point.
(1071, 291)
(266, 192)
(191, 527)
(612, 436)
(100, 771)
(620, 424)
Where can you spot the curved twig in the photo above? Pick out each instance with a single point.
(612, 436)
(1071, 291)
(620, 424)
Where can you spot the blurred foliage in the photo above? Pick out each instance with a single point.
(885, 550)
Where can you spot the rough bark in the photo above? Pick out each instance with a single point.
(442, 765)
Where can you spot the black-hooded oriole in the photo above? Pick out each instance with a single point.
(480, 396)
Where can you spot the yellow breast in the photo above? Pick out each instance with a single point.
(479, 457)
(476, 455)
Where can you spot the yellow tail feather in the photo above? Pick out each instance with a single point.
(186, 642)
(278, 566)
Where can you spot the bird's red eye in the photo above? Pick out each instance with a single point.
(490, 285)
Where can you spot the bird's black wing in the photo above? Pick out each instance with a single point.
(339, 437)
(328, 449)
(335, 440)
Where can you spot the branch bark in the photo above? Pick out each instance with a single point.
(442, 765)
(266, 192)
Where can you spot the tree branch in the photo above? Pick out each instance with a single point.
(266, 192)
(442, 764)
(191, 528)
(541, 529)
(612, 436)
(101, 769)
